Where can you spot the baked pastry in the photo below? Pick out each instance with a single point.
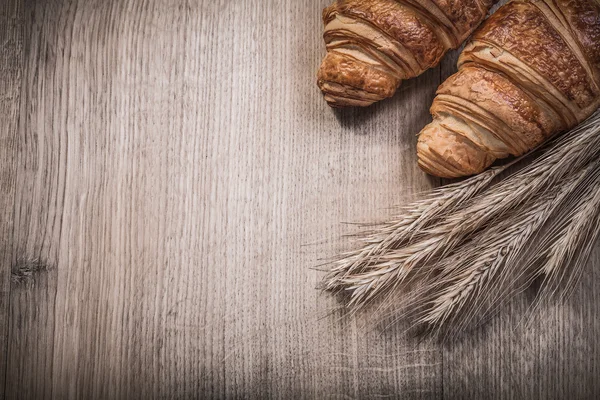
(373, 45)
(531, 71)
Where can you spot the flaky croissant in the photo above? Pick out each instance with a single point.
(372, 45)
(532, 70)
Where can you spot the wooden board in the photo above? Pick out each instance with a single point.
(176, 176)
(12, 36)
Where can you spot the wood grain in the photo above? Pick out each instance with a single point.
(11, 66)
(180, 174)
(176, 176)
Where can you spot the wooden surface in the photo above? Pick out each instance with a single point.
(169, 175)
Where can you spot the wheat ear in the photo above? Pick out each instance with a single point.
(460, 230)
(387, 269)
(479, 276)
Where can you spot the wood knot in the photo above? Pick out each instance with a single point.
(25, 271)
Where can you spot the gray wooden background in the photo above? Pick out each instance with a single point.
(169, 173)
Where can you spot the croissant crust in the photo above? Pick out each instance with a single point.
(375, 44)
(531, 71)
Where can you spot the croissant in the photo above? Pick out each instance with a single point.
(373, 45)
(531, 71)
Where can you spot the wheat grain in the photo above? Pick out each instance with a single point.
(473, 229)
(498, 259)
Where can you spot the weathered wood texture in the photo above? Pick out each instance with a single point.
(177, 174)
(11, 66)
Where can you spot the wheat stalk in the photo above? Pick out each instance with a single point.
(499, 259)
(540, 213)
(414, 218)
(569, 242)
(385, 271)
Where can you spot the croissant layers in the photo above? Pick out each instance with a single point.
(532, 70)
(373, 45)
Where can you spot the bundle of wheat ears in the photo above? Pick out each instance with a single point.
(452, 258)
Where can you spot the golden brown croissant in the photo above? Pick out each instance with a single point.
(372, 45)
(531, 71)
